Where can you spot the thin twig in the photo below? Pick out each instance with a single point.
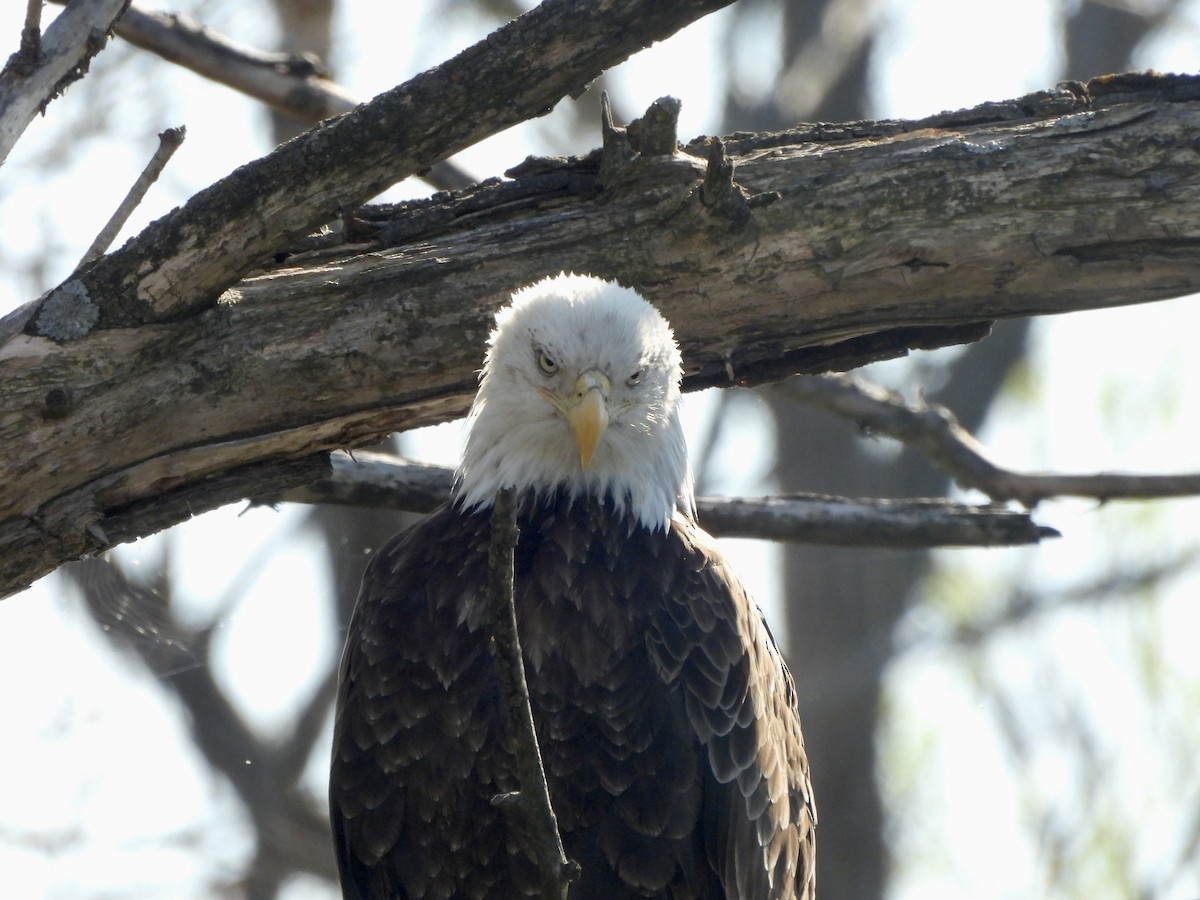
(531, 803)
(168, 143)
(137, 617)
(1022, 605)
(934, 431)
(378, 480)
(29, 56)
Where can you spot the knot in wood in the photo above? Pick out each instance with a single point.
(59, 403)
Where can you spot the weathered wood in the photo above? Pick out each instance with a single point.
(375, 480)
(65, 52)
(863, 239)
(180, 263)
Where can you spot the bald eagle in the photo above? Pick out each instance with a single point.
(666, 717)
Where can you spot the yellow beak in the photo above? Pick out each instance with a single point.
(587, 412)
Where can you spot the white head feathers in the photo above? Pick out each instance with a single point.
(569, 344)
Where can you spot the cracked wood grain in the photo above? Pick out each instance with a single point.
(883, 236)
(180, 264)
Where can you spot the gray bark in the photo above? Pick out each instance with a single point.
(370, 480)
(836, 245)
(231, 441)
(66, 51)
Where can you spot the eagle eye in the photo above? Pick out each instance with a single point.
(548, 365)
(635, 378)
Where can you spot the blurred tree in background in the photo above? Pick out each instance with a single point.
(849, 613)
(844, 604)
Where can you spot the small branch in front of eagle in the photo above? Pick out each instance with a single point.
(537, 829)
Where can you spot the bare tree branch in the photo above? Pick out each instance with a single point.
(67, 48)
(1023, 604)
(346, 342)
(847, 522)
(137, 618)
(171, 272)
(529, 808)
(29, 56)
(176, 269)
(168, 143)
(378, 480)
(293, 84)
(934, 431)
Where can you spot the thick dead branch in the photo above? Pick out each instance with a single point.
(378, 480)
(181, 263)
(934, 431)
(864, 240)
(173, 272)
(65, 51)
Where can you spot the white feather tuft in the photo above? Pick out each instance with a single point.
(518, 439)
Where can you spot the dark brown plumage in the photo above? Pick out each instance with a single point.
(666, 717)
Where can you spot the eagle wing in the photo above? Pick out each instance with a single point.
(709, 639)
(403, 797)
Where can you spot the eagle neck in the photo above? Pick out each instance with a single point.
(644, 477)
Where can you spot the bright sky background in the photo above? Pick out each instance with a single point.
(96, 770)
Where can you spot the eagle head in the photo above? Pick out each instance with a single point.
(580, 392)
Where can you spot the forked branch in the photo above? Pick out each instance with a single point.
(934, 431)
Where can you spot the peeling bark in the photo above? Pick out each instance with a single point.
(863, 240)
